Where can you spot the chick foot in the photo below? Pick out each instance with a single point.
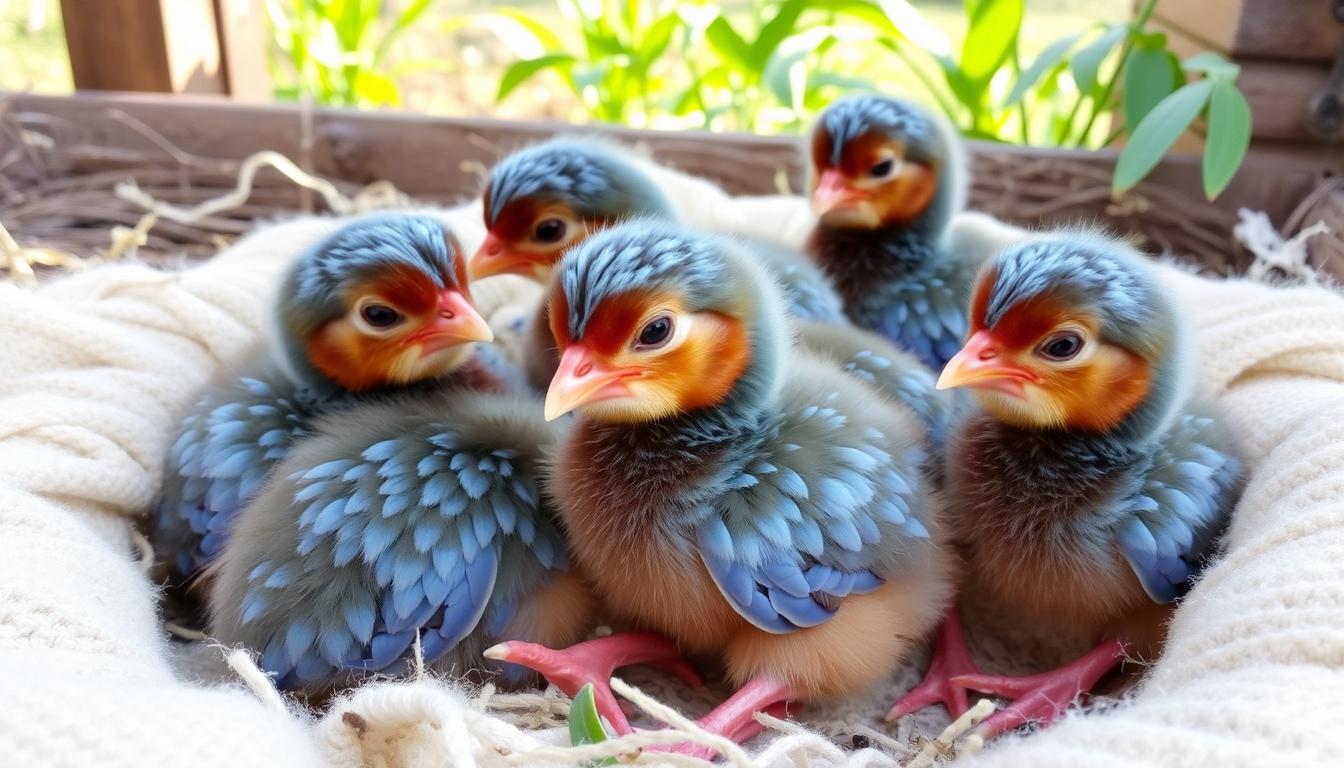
(950, 659)
(1042, 698)
(594, 661)
(735, 718)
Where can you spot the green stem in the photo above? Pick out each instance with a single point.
(1140, 21)
(1021, 104)
(948, 110)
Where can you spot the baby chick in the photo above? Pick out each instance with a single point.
(1086, 491)
(380, 305)
(420, 516)
(726, 490)
(886, 181)
(545, 199)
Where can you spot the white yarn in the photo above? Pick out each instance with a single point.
(97, 368)
(1272, 252)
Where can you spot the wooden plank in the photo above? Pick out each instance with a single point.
(442, 159)
(1279, 92)
(1300, 30)
(243, 39)
(160, 46)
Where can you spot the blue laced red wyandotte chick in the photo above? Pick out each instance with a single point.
(724, 489)
(545, 199)
(420, 516)
(887, 178)
(1087, 491)
(381, 305)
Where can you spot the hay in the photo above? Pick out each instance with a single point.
(71, 200)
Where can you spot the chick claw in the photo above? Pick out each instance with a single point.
(1042, 698)
(594, 661)
(735, 718)
(950, 660)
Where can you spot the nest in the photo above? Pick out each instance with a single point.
(71, 196)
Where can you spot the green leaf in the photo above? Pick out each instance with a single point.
(990, 39)
(547, 39)
(405, 19)
(729, 44)
(1149, 77)
(657, 37)
(1048, 59)
(1086, 62)
(913, 26)
(1211, 65)
(1151, 139)
(585, 726)
(521, 71)
(775, 31)
(1229, 136)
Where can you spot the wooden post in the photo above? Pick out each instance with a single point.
(165, 46)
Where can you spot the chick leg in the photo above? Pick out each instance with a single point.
(1042, 698)
(950, 659)
(594, 661)
(735, 718)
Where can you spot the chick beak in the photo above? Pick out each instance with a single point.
(832, 191)
(456, 322)
(981, 364)
(582, 379)
(496, 257)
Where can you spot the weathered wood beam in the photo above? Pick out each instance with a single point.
(166, 46)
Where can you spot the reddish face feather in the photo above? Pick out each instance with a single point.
(514, 223)
(896, 200)
(359, 362)
(1095, 396)
(700, 373)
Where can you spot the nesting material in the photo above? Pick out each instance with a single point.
(100, 365)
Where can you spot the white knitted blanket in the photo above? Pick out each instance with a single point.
(96, 369)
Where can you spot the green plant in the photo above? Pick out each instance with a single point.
(1061, 96)
(336, 50)
(775, 69)
(585, 726)
(614, 76)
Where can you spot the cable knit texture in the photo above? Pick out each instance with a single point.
(96, 369)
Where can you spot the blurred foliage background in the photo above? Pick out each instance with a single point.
(1066, 73)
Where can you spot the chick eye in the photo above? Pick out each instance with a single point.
(380, 315)
(549, 231)
(1061, 346)
(882, 168)
(656, 333)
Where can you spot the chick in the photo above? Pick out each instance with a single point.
(726, 490)
(886, 181)
(1086, 491)
(545, 199)
(418, 516)
(380, 305)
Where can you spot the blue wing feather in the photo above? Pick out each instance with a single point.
(817, 527)
(420, 554)
(227, 446)
(1183, 504)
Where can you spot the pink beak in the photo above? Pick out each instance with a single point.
(583, 379)
(981, 365)
(496, 257)
(456, 322)
(833, 190)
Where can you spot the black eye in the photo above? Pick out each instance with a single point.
(380, 315)
(1061, 346)
(882, 169)
(549, 231)
(656, 333)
